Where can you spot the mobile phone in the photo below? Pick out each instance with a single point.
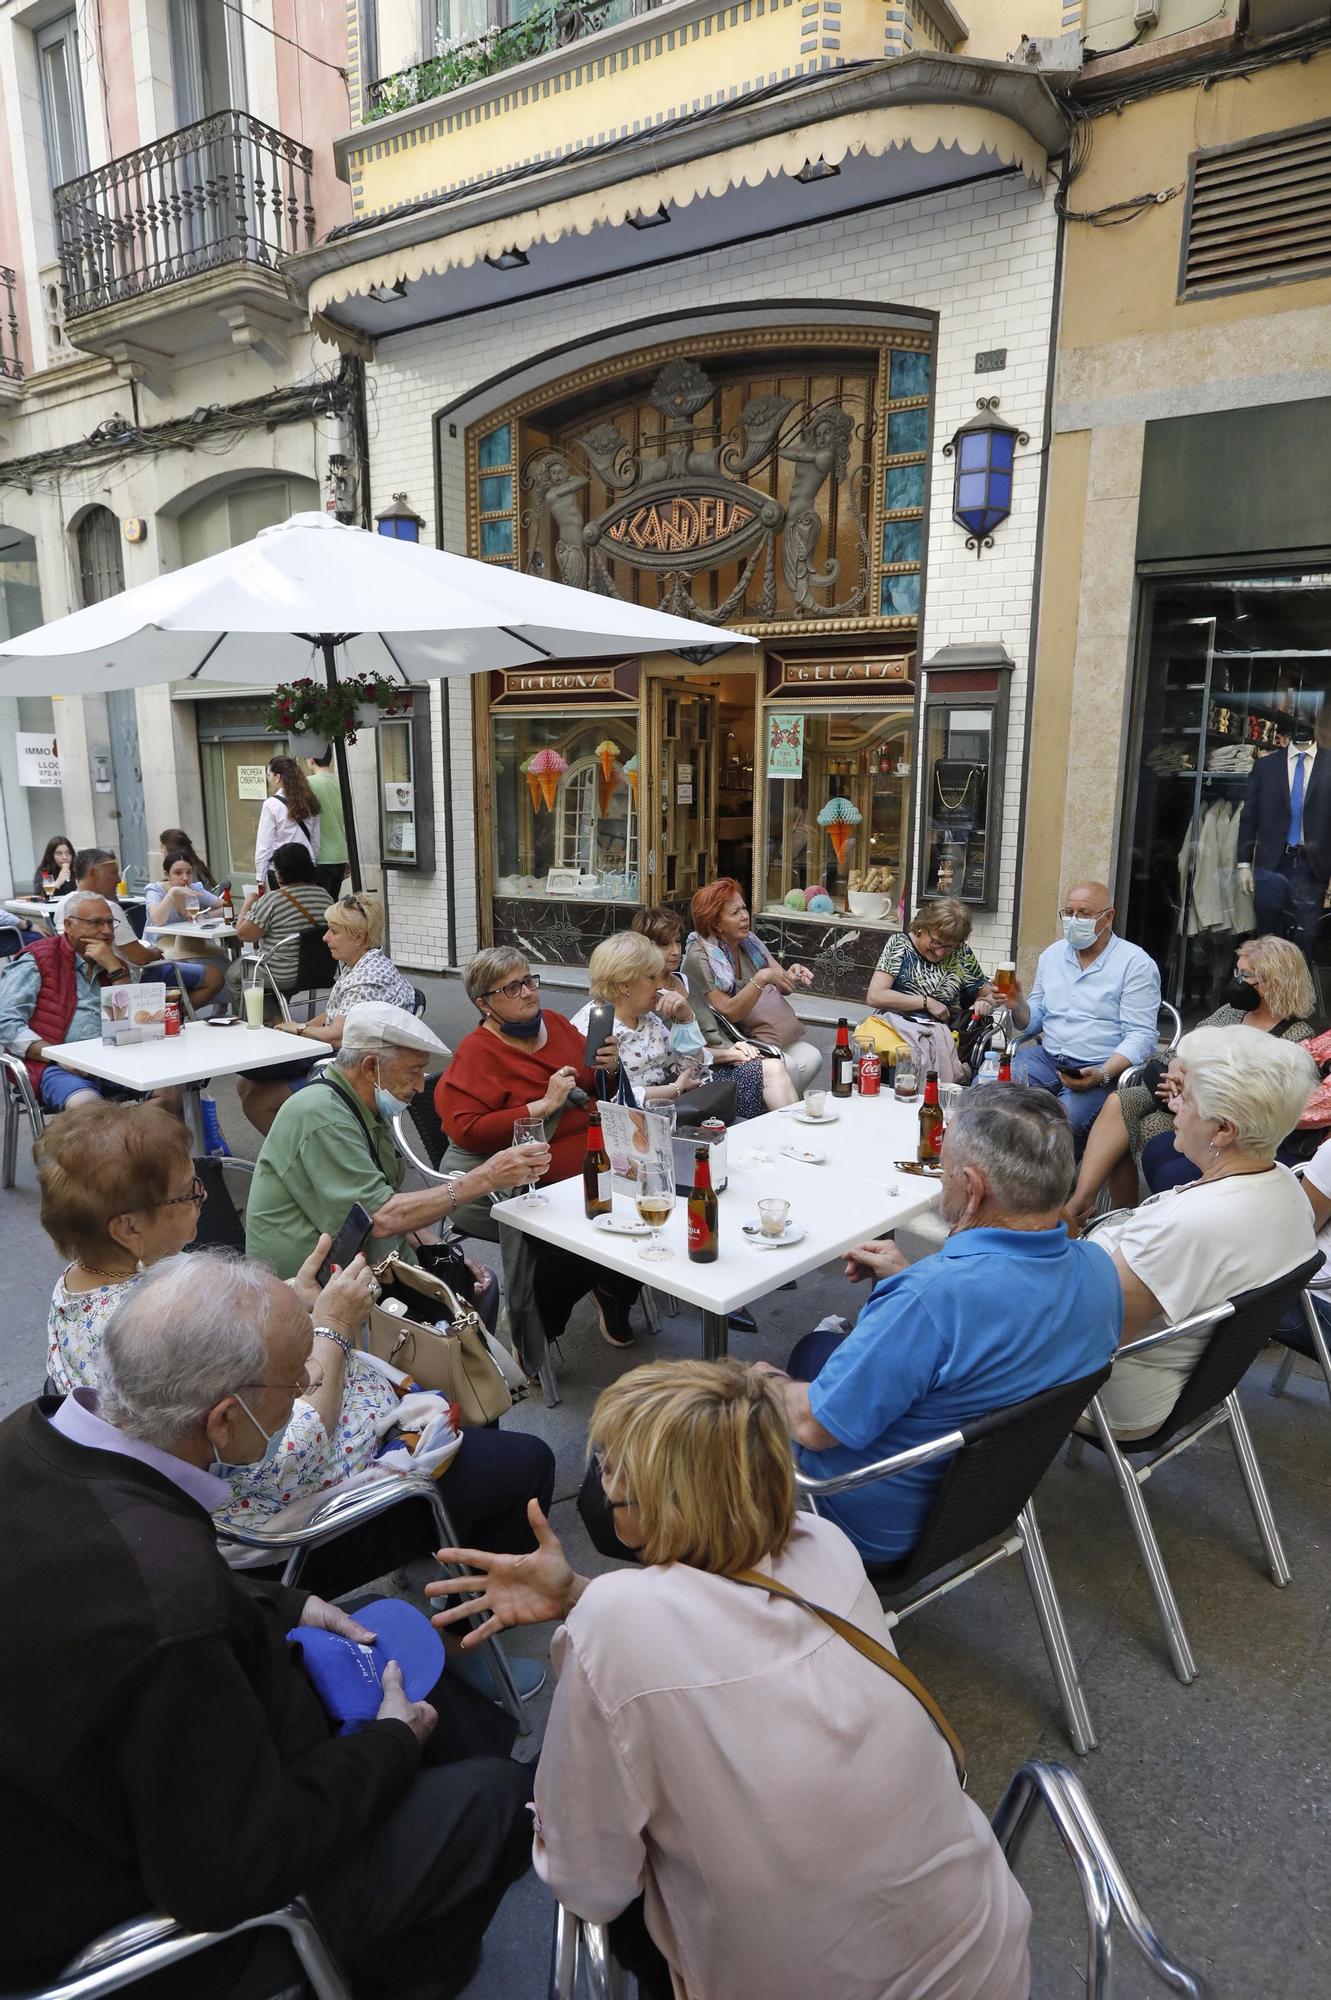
(600, 1027)
(350, 1239)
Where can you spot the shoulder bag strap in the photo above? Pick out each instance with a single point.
(871, 1649)
(345, 1097)
(296, 904)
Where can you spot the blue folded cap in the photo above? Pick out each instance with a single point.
(348, 1678)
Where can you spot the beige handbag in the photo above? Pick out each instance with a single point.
(457, 1362)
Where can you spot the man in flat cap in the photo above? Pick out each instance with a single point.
(331, 1145)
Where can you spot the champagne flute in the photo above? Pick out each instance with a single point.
(656, 1200)
(531, 1132)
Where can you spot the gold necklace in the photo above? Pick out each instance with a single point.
(958, 798)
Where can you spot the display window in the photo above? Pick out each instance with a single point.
(1231, 822)
(566, 805)
(838, 810)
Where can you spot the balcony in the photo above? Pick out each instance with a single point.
(176, 248)
(551, 24)
(11, 361)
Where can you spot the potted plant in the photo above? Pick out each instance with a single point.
(313, 714)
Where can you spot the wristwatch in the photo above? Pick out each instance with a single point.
(338, 1340)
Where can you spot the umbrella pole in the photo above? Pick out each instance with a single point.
(328, 646)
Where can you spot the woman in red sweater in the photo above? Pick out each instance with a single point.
(523, 1062)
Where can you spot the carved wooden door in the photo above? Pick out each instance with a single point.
(681, 806)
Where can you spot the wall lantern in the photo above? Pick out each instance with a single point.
(399, 521)
(982, 482)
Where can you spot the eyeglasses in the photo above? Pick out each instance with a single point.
(311, 1377)
(198, 1194)
(95, 923)
(516, 987)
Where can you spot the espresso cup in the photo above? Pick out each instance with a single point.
(772, 1214)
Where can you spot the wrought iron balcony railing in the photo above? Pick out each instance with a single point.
(551, 24)
(227, 190)
(11, 366)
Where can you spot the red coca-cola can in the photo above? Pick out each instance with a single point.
(871, 1073)
(173, 1013)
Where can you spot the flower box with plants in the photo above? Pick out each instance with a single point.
(309, 708)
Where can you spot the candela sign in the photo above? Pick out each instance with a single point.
(677, 526)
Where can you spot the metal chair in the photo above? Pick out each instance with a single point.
(1313, 1345)
(134, 1951)
(221, 1221)
(1169, 1033)
(583, 1948)
(11, 940)
(316, 969)
(1208, 1399)
(996, 1463)
(418, 1004)
(21, 1101)
(136, 915)
(337, 1512)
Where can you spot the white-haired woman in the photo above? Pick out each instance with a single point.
(1271, 992)
(1243, 1222)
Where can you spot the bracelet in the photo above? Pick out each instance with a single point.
(338, 1339)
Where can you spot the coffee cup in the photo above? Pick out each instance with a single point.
(772, 1214)
(815, 1103)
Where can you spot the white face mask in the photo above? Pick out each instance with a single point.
(272, 1444)
(386, 1104)
(1080, 932)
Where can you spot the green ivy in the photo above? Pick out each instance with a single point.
(547, 26)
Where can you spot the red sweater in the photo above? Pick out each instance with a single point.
(491, 1082)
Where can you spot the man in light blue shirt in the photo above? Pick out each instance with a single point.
(1093, 1007)
(1008, 1307)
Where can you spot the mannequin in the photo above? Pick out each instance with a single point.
(1284, 846)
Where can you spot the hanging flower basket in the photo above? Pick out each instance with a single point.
(309, 710)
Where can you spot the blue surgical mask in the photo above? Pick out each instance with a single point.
(526, 1031)
(385, 1103)
(272, 1444)
(1080, 931)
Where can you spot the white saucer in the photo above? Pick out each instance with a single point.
(808, 1156)
(622, 1225)
(801, 1116)
(795, 1232)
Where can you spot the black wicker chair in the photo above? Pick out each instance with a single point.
(985, 1503)
(221, 1222)
(1209, 1398)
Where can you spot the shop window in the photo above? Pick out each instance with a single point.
(101, 567)
(839, 822)
(566, 820)
(1235, 674)
(901, 554)
(224, 520)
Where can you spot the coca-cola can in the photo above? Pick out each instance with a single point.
(173, 1013)
(871, 1073)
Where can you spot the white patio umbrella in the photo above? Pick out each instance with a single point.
(312, 591)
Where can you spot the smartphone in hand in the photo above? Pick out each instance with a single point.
(600, 1027)
(351, 1238)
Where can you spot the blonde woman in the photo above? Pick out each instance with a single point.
(708, 1739)
(1271, 991)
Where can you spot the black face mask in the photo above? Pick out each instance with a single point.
(526, 1031)
(1241, 996)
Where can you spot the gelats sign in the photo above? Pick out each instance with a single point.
(681, 525)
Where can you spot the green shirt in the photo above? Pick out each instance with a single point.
(332, 828)
(313, 1165)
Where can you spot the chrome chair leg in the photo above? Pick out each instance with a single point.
(1317, 1333)
(564, 1956)
(494, 1652)
(1054, 1632)
(1258, 1498)
(549, 1382)
(1166, 1605)
(651, 1309)
(11, 1138)
(1075, 1450)
(1281, 1377)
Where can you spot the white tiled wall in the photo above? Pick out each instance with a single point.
(980, 257)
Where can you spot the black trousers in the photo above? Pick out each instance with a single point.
(331, 877)
(485, 1489)
(563, 1278)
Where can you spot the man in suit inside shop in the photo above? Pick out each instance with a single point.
(1284, 848)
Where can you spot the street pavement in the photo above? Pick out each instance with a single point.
(1216, 1796)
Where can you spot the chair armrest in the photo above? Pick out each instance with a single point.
(412, 1157)
(883, 1468)
(342, 1507)
(1196, 1323)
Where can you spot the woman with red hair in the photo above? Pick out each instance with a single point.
(734, 979)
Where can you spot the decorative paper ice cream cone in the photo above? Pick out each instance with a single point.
(534, 787)
(607, 751)
(840, 837)
(549, 783)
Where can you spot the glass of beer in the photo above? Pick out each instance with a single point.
(1005, 979)
(193, 908)
(656, 1201)
(531, 1132)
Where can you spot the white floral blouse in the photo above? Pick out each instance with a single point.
(307, 1461)
(645, 1051)
(373, 977)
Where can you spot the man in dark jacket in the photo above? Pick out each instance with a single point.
(160, 1745)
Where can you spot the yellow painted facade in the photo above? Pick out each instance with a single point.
(1131, 350)
(679, 59)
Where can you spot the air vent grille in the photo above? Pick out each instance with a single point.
(1259, 213)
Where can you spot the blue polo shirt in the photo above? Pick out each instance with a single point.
(996, 1316)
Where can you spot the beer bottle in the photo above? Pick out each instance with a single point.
(1005, 1064)
(228, 907)
(931, 1120)
(843, 1062)
(703, 1240)
(595, 1169)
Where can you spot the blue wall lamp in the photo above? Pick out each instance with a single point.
(400, 522)
(985, 449)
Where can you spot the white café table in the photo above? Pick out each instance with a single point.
(186, 1060)
(33, 906)
(206, 933)
(851, 1198)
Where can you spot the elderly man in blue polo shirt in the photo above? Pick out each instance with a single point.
(1093, 1009)
(1009, 1306)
